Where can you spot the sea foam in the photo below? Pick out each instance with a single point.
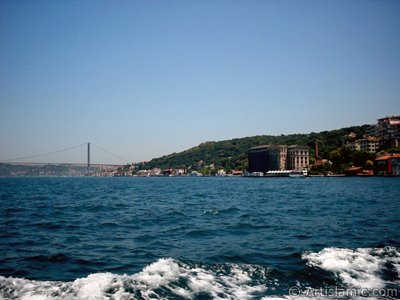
(356, 268)
(156, 281)
(169, 278)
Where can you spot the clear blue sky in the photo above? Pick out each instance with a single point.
(148, 78)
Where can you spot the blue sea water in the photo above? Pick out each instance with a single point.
(199, 238)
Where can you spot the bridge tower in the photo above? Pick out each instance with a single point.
(88, 159)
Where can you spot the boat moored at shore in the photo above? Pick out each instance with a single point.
(280, 173)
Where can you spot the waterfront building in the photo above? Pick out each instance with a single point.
(298, 158)
(237, 173)
(221, 172)
(265, 158)
(388, 165)
(278, 158)
(259, 159)
(143, 173)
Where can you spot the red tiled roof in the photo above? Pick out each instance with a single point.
(385, 157)
(354, 169)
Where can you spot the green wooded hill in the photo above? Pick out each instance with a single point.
(232, 154)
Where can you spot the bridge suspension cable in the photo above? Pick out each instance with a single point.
(68, 149)
(109, 152)
(42, 154)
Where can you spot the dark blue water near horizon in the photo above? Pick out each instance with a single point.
(196, 238)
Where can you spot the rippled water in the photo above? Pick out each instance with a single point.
(198, 238)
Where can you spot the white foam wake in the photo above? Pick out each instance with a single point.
(356, 268)
(169, 278)
(156, 281)
(360, 270)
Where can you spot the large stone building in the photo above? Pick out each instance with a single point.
(278, 158)
(265, 158)
(298, 157)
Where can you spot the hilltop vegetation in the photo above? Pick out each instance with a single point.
(232, 154)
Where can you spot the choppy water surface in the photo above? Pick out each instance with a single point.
(199, 238)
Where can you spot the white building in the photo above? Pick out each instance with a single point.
(368, 144)
(298, 157)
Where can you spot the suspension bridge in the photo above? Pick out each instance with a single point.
(30, 160)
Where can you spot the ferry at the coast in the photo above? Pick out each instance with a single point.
(298, 174)
(280, 173)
